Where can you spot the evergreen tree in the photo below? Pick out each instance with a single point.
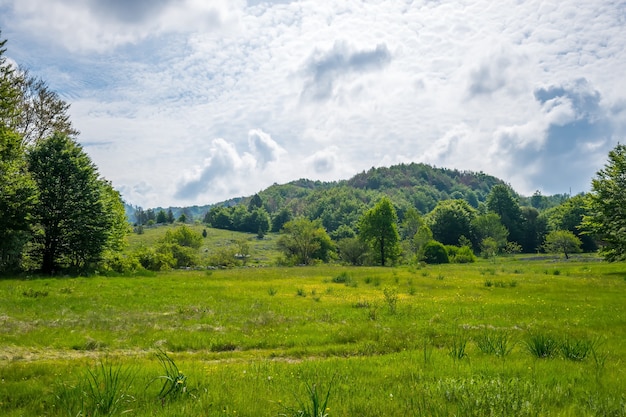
(161, 217)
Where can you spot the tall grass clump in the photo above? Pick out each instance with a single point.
(459, 346)
(103, 392)
(314, 404)
(575, 349)
(498, 343)
(174, 381)
(542, 346)
(391, 298)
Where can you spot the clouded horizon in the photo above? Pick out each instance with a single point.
(183, 102)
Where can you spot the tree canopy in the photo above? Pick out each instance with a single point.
(379, 228)
(71, 212)
(607, 206)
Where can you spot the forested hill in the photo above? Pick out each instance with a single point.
(342, 202)
(417, 185)
(408, 185)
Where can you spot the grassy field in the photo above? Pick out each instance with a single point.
(511, 337)
(263, 252)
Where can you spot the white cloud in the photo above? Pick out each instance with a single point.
(324, 161)
(264, 148)
(95, 25)
(528, 91)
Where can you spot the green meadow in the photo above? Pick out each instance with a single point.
(512, 337)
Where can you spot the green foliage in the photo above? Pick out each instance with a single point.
(183, 236)
(501, 201)
(391, 298)
(223, 257)
(495, 342)
(106, 391)
(71, 213)
(379, 228)
(352, 250)
(607, 206)
(460, 255)
(303, 241)
(541, 345)
(575, 349)
(18, 197)
(155, 258)
(458, 348)
(343, 278)
(489, 226)
(569, 215)
(434, 253)
(314, 404)
(562, 241)
(450, 220)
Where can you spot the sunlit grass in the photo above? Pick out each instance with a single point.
(396, 341)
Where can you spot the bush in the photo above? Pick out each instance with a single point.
(463, 255)
(119, 263)
(434, 252)
(155, 259)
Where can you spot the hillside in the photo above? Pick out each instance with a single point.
(341, 202)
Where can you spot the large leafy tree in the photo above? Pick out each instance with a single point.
(73, 217)
(534, 229)
(502, 202)
(607, 206)
(303, 241)
(562, 241)
(18, 195)
(379, 228)
(17, 189)
(450, 220)
(488, 226)
(569, 216)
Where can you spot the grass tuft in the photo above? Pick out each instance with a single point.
(542, 346)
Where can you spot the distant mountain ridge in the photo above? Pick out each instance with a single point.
(341, 202)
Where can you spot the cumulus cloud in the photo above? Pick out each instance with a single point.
(324, 68)
(565, 144)
(324, 161)
(528, 91)
(226, 171)
(264, 148)
(216, 173)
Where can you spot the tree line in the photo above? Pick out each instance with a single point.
(57, 213)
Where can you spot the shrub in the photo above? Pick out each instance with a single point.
(153, 259)
(119, 263)
(463, 255)
(434, 253)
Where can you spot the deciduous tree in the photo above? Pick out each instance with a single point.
(379, 228)
(303, 240)
(450, 220)
(607, 205)
(18, 195)
(562, 241)
(72, 212)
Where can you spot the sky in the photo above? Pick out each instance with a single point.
(192, 102)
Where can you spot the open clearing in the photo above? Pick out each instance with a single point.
(436, 340)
